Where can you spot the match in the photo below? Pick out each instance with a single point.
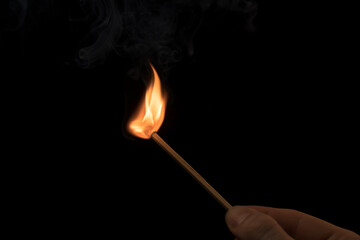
(191, 171)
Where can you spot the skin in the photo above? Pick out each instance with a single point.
(265, 223)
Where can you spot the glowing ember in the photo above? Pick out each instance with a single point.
(151, 112)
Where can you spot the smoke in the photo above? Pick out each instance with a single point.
(105, 30)
(136, 30)
(160, 30)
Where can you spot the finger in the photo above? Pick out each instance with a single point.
(303, 226)
(249, 224)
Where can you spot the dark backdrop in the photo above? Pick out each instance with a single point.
(264, 115)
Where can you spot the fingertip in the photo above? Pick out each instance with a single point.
(248, 223)
(236, 215)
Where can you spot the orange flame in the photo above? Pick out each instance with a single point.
(151, 112)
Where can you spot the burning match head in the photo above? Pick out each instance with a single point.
(151, 112)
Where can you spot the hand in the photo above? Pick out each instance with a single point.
(265, 223)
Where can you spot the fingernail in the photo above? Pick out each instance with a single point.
(236, 215)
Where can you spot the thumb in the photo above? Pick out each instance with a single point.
(249, 224)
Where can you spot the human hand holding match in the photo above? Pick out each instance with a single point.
(148, 119)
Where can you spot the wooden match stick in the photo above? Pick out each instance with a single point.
(191, 171)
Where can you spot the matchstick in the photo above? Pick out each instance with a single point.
(191, 171)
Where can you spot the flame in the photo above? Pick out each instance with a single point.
(151, 112)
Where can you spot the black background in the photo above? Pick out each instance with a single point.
(267, 117)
